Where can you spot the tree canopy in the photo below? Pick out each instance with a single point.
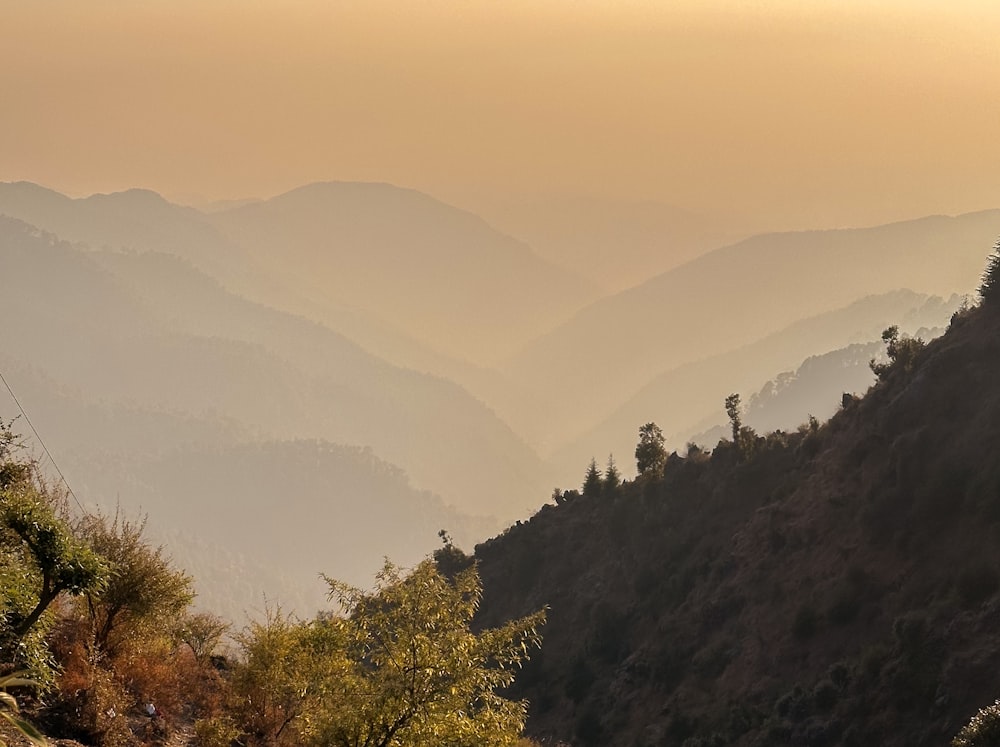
(142, 586)
(398, 666)
(650, 452)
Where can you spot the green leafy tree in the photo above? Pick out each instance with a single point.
(278, 679)
(592, 481)
(40, 559)
(650, 452)
(50, 559)
(409, 671)
(397, 667)
(143, 590)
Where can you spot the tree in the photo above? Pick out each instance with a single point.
(278, 679)
(408, 670)
(612, 478)
(902, 352)
(40, 559)
(143, 587)
(12, 471)
(52, 559)
(734, 411)
(989, 289)
(592, 481)
(650, 452)
(396, 667)
(449, 558)
(202, 632)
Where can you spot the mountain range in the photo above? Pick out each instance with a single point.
(409, 349)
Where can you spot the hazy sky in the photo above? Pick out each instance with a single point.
(799, 113)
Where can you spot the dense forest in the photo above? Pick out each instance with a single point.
(833, 585)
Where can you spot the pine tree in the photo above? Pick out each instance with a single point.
(612, 478)
(989, 289)
(592, 482)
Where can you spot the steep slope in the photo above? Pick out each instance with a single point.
(724, 299)
(832, 587)
(440, 274)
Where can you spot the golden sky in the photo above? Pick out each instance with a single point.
(795, 113)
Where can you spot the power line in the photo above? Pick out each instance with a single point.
(38, 437)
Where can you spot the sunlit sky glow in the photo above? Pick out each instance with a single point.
(798, 114)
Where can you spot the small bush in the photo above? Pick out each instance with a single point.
(215, 732)
(105, 709)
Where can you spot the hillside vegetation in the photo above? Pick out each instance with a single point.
(837, 585)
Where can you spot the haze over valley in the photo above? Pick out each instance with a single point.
(653, 320)
(168, 345)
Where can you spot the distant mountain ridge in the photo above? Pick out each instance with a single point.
(137, 219)
(441, 274)
(616, 244)
(131, 360)
(728, 297)
(141, 221)
(115, 322)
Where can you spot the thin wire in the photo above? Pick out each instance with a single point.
(38, 437)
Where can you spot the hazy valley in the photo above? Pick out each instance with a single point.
(313, 383)
(165, 336)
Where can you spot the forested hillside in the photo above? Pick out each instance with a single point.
(835, 585)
